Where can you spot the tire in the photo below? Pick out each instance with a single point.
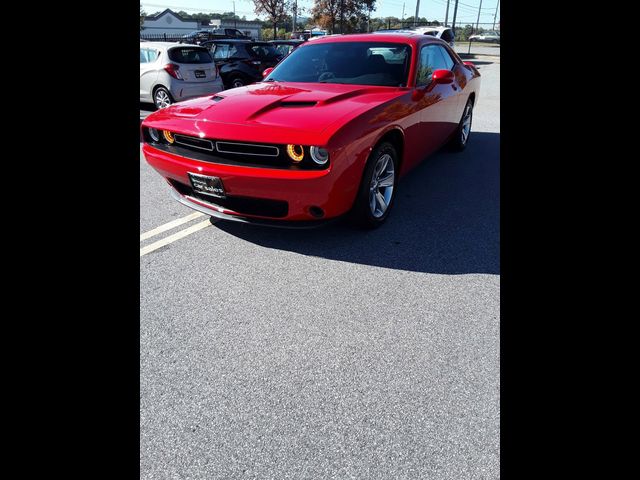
(236, 82)
(381, 169)
(461, 136)
(162, 98)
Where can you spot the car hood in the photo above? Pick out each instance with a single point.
(273, 111)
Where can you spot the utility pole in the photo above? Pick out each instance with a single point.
(341, 8)
(477, 23)
(295, 16)
(415, 19)
(494, 17)
(446, 15)
(235, 23)
(403, 14)
(455, 12)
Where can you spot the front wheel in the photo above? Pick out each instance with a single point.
(377, 188)
(461, 136)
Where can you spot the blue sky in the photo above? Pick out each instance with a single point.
(431, 9)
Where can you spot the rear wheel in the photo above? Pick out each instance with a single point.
(377, 188)
(461, 137)
(236, 82)
(162, 98)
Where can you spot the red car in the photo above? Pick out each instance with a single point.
(329, 131)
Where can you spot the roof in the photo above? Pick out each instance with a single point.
(431, 29)
(391, 37)
(168, 10)
(168, 44)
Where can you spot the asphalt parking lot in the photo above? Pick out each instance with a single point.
(328, 353)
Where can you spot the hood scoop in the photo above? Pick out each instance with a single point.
(289, 104)
(216, 98)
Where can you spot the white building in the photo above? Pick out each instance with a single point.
(168, 22)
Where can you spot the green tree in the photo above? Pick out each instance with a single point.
(276, 10)
(354, 13)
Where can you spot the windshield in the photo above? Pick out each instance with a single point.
(190, 55)
(354, 63)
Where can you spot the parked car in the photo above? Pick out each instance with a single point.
(241, 62)
(199, 36)
(171, 72)
(285, 47)
(445, 33)
(493, 37)
(329, 131)
(231, 33)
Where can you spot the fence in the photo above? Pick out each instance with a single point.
(161, 37)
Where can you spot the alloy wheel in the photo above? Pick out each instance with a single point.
(381, 186)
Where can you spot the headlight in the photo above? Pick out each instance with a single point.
(155, 136)
(296, 152)
(168, 136)
(319, 155)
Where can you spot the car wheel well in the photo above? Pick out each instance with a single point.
(395, 138)
(472, 97)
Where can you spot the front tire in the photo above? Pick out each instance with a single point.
(377, 188)
(162, 98)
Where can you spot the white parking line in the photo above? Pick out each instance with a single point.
(170, 225)
(174, 237)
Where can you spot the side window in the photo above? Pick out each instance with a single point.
(222, 51)
(152, 55)
(446, 58)
(233, 51)
(431, 59)
(143, 55)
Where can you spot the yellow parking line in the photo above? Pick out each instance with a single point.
(174, 237)
(170, 225)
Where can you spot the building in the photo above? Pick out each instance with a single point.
(168, 22)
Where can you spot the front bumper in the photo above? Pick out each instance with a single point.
(303, 191)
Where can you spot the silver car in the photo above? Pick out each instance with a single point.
(171, 72)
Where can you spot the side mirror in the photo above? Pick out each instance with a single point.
(267, 72)
(442, 76)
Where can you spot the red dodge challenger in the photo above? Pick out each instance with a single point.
(329, 131)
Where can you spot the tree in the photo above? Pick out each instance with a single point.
(276, 10)
(352, 12)
(142, 15)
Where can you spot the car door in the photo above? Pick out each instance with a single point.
(148, 71)
(438, 102)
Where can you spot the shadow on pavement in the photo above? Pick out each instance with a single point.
(446, 220)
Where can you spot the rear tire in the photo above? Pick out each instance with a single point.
(377, 188)
(162, 98)
(236, 82)
(461, 136)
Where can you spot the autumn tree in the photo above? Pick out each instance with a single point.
(276, 10)
(327, 12)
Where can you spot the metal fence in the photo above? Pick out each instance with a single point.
(161, 37)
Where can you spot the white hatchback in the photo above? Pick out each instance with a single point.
(171, 72)
(444, 33)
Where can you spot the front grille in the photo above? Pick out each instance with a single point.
(199, 143)
(247, 149)
(244, 205)
(259, 155)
